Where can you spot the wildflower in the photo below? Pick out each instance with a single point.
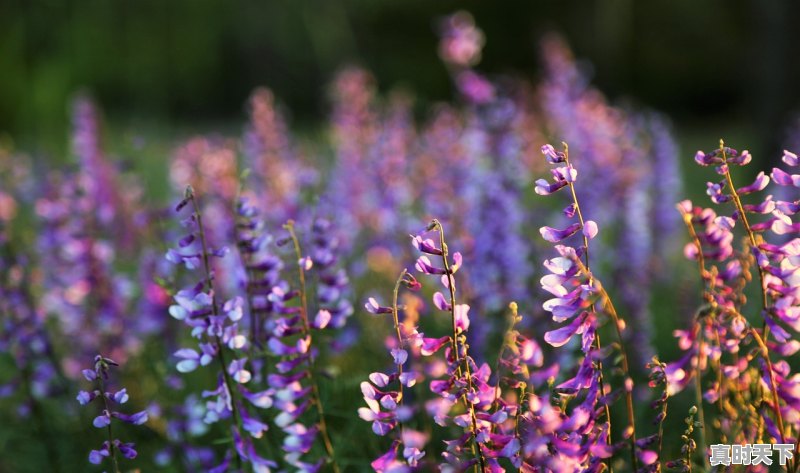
(385, 404)
(577, 293)
(291, 336)
(99, 375)
(466, 383)
(216, 327)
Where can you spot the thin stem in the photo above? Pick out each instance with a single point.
(111, 448)
(315, 392)
(762, 341)
(608, 305)
(662, 417)
(522, 389)
(506, 342)
(396, 317)
(237, 420)
(750, 234)
(597, 342)
(452, 286)
(698, 393)
(701, 262)
(688, 445)
(772, 383)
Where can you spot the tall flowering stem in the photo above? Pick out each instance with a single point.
(435, 225)
(261, 268)
(99, 375)
(576, 208)
(685, 209)
(386, 408)
(722, 159)
(396, 320)
(741, 213)
(303, 264)
(229, 384)
(572, 269)
(761, 340)
(216, 327)
(472, 391)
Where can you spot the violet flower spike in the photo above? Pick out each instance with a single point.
(111, 447)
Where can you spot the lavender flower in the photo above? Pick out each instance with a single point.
(295, 383)
(216, 327)
(278, 172)
(384, 391)
(576, 294)
(465, 383)
(113, 446)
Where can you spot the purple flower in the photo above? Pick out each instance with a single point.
(554, 235)
(373, 307)
(783, 178)
(111, 446)
(759, 184)
(461, 41)
(96, 457)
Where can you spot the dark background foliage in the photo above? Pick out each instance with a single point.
(721, 65)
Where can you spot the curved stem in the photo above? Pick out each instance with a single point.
(773, 385)
(395, 315)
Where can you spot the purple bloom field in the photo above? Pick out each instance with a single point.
(513, 281)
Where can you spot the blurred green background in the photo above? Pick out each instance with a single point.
(156, 66)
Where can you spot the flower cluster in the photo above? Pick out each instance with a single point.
(215, 326)
(24, 334)
(276, 352)
(384, 392)
(465, 387)
(723, 329)
(291, 337)
(108, 400)
(576, 297)
(86, 231)
(332, 280)
(278, 171)
(262, 268)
